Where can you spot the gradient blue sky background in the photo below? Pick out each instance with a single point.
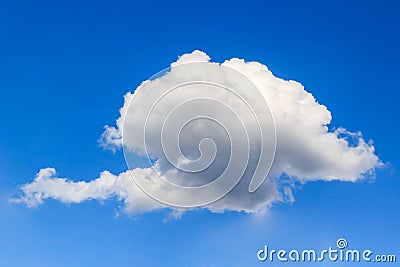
(65, 66)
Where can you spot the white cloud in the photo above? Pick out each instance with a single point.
(47, 185)
(306, 150)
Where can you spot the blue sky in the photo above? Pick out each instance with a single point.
(65, 67)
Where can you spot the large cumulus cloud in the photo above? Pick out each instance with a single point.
(305, 151)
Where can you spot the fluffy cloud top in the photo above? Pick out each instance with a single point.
(305, 149)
